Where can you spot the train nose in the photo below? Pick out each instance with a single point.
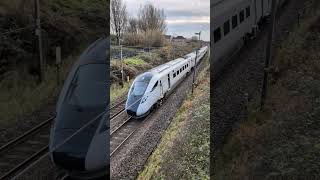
(132, 113)
(71, 155)
(69, 161)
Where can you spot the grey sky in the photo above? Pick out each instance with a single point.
(184, 17)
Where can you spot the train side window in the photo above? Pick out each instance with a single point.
(226, 27)
(248, 11)
(154, 87)
(234, 21)
(241, 16)
(178, 73)
(217, 35)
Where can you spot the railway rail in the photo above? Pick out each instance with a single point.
(117, 109)
(25, 149)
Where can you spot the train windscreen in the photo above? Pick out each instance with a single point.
(88, 88)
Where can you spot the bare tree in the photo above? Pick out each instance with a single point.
(132, 25)
(151, 18)
(118, 17)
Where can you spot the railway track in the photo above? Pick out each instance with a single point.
(23, 150)
(121, 134)
(117, 109)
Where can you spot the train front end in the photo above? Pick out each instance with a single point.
(78, 136)
(138, 104)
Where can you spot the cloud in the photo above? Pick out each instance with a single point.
(182, 16)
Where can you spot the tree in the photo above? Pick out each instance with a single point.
(151, 18)
(118, 17)
(132, 26)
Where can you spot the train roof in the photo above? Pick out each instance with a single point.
(166, 66)
(96, 52)
(222, 6)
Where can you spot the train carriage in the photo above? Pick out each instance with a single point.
(149, 88)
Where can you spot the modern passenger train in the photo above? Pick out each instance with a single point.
(149, 89)
(232, 23)
(83, 100)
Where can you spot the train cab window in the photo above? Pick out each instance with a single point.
(248, 11)
(88, 79)
(241, 15)
(141, 84)
(217, 35)
(226, 27)
(234, 21)
(155, 86)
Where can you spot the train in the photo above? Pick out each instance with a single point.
(150, 88)
(233, 22)
(79, 134)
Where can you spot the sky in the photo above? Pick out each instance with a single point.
(183, 17)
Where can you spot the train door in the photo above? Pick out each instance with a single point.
(169, 83)
(161, 89)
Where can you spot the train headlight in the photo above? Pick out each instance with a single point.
(144, 99)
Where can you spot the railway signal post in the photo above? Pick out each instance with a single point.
(268, 55)
(121, 59)
(39, 36)
(195, 63)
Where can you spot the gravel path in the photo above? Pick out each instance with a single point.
(130, 159)
(244, 76)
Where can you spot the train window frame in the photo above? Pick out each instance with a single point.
(248, 11)
(154, 86)
(226, 27)
(241, 16)
(217, 35)
(234, 21)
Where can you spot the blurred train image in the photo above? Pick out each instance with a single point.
(150, 88)
(233, 23)
(83, 100)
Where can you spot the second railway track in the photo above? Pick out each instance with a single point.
(23, 150)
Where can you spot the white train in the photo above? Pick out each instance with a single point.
(232, 22)
(149, 88)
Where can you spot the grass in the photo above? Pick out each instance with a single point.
(117, 91)
(282, 140)
(183, 152)
(21, 95)
(134, 61)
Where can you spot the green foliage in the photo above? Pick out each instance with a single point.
(134, 61)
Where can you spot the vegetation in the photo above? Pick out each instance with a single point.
(183, 152)
(21, 95)
(282, 140)
(147, 29)
(71, 24)
(134, 61)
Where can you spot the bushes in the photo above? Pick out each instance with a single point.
(150, 38)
